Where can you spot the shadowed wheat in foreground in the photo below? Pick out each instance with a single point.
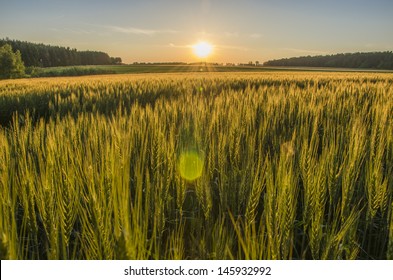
(195, 166)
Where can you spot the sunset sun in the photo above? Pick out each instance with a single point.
(202, 49)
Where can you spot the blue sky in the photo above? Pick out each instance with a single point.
(164, 30)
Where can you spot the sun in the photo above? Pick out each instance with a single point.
(202, 49)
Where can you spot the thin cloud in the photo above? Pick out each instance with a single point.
(140, 31)
(229, 47)
(172, 45)
(303, 51)
(256, 35)
(134, 30)
(77, 31)
(231, 34)
(205, 34)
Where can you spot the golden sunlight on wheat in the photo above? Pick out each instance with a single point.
(273, 165)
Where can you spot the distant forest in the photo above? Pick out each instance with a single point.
(373, 60)
(40, 55)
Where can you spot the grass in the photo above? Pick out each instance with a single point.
(163, 68)
(168, 68)
(296, 165)
(70, 71)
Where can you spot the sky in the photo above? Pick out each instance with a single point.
(239, 30)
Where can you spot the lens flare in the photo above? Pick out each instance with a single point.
(190, 165)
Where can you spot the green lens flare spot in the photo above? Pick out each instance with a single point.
(190, 165)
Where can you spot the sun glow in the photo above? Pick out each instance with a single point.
(202, 49)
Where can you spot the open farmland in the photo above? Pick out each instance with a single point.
(273, 165)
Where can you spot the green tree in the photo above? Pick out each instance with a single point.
(11, 64)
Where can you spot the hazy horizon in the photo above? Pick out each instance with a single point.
(240, 31)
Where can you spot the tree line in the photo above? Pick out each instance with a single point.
(11, 64)
(40, 55)
(372, 60)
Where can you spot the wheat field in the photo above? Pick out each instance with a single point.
(291, 165)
